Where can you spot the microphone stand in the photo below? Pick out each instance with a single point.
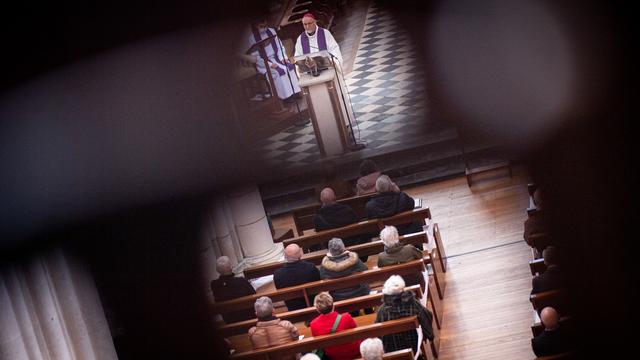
(356, 145)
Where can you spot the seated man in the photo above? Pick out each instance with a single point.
(340, 263)
(396, 253)
(389, 203)
(333, 215)
(227, 287)
(537, 221)
(552, 277)
(269, 330)
(329, 322)
(369, 173)
(399, 303)
(372, 349)
(552, 340)
(295, 272)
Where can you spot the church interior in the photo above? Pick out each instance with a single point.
(166, 165)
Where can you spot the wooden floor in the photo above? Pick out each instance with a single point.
(487, 314)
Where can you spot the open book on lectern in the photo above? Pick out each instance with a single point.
(321, 58)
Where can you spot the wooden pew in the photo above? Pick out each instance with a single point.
(312, 288)
(360, 228)
(310, 313)
(555, 298)
(323, 237)
(537, 266)
(537, 328)
(563, 356)
(303, 216)
(367, 249)
(310, 343)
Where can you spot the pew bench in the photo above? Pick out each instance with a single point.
(361, 332)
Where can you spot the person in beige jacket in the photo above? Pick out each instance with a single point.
(270, 330)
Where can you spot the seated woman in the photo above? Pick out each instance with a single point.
(369, 173)
(340, 262)
(396, 253)
(398, 303)
(329, 322)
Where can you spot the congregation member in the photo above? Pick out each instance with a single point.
(536, 223)
(335, 215)
(295, 272)
(552, 277)
(227, 287)
(397, 253)
(282, 71)
(553, 340)
(369, 173)
(372, 349)
(270, 330)
(330, 321)
(339, 263)
(399, 303)
(388, 203)
(315, 38)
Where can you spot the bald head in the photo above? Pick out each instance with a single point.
(549, 318)
(292, 252)
(327, 196)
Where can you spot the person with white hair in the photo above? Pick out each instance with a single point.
(227, 286)
(310, 356)
(340, 262)
(389, 202)
(396, 253)
(372, 349)
(270, 330)
(399, 303)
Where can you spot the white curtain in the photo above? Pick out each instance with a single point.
(50, 309)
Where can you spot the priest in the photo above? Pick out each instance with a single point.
(315, 38)
(282, 71)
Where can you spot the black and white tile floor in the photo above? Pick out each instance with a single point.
(387, 93)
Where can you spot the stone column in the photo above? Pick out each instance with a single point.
(252, 227)
(223, 233)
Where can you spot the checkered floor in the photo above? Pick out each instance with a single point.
(387, 93)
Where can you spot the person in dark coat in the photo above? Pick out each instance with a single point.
(369, 173)
(552, 278)
(388, 203)
(227, 287)
(295, 272)
(333, 215)
(553, 340)
(536, 225)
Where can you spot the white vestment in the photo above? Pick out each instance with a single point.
(286, 85)
(332, 46)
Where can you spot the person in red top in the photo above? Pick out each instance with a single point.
(326, 321)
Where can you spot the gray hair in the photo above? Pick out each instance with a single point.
(394, 285)
(383, 184)
(371, 349)
(389, 236)
(310, 356)
(263, 307)
(336, 246)
(223, 265)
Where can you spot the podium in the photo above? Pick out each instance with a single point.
(328, 103)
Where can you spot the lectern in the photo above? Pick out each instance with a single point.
(329, 104)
